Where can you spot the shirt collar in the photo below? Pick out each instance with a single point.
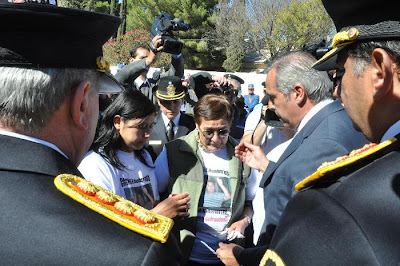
(392, 131)
(139, 82)
(32, 139)
(313, 111)
(166, 119)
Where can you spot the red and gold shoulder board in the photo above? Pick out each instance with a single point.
(114, 207)
(343, 161)
(271, 257)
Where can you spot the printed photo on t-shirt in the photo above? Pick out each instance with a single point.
(217, 193)
(139, 191)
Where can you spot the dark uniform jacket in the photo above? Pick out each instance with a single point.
(41, 225)
(349, 216)
(158, 138)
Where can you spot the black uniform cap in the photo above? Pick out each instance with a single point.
(46, 36)
(359, 20)
(241, 81)
(170, 88)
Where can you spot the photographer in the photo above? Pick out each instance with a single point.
(141, 58)
(202, 82)
(229, 85)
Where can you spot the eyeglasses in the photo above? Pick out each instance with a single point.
(209, 133)
(143, 127)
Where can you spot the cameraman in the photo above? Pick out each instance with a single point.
(202, 82)
(141, 58)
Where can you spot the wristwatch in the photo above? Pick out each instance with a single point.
(248, 218)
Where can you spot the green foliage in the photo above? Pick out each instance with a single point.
(234, 57)
(232, 25)
(114, 7)
(197, 13)
(117, 50)
(301, 22)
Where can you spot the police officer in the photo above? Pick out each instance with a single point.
(170, 123)
(348, 212)
(51, 72)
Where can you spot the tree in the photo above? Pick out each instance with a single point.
(113, 7)
(91, 5)
(116, 50)
(198, 13)
(122, 14)
(299, 23)
(262, 16)
(230, 31)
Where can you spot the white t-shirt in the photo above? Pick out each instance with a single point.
(136, 182)
(273, 145)
(272, 137)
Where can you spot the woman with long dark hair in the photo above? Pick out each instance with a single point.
(118, 160)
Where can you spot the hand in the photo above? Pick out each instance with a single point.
(173, 206)
(222, 81)
(252, 155)
(152, 57)
(226, 253)
(239, 226)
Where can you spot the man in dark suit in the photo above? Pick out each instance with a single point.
(170, 123)
(347, 213)
(300, 96)
(141, 58)
(51, 71)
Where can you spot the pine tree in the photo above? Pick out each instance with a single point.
(198, 14)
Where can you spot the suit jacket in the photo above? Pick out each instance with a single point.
(41, 225)
(327, 135)
(156, 142)
(349, 216)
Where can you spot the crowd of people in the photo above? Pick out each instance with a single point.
(305, 174)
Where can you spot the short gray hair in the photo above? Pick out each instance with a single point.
(29, 97)
(296, 67)
(361, 53)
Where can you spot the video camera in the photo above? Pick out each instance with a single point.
(163, 25)
(226, 90)
(318, 49)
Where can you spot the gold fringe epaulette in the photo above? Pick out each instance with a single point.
(343, 161)
(114, 207)
(269, 257)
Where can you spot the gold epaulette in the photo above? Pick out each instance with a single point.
(270, 256)
(343, 161)
(114, 207)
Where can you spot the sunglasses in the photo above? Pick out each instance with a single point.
(209, 133)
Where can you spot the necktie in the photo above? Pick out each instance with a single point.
(171, 133)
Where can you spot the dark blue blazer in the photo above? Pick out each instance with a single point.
(326, 136)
